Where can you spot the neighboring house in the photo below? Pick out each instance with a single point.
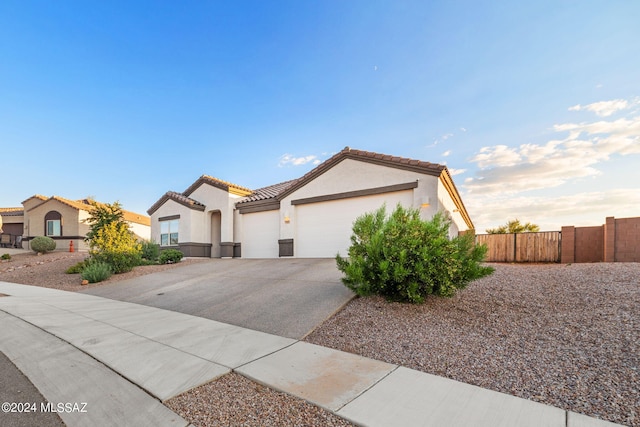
(311, 216)
(61, 219)
(11, 220)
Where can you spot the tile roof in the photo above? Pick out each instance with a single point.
(178, 198)
(219, 183)
(268, 192)
(11, 211)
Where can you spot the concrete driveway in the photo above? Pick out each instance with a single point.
(285, 297)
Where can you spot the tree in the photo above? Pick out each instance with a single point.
(514, 226)
(405, 258)
(102, 214)
(110, 239)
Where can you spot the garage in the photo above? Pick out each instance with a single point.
(324, 228)
(260, 235)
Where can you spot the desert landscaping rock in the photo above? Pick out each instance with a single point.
(233, 400)
(563, 335)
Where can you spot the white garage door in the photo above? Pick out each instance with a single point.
(323, 229)
(260, 233)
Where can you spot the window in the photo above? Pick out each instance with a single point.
(53, 227)
(53, 224)
(169, 232)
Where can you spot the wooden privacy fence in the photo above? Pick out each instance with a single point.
(522, 247)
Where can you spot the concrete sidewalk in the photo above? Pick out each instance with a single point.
(124, 359)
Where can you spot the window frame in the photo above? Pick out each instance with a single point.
(55, 231)
(170, 237)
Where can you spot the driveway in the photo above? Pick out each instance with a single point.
(285, 297)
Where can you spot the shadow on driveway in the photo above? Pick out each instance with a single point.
(285, 297)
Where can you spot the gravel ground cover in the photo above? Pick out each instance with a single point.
(234, 400)
(564, 335)
(48, 270)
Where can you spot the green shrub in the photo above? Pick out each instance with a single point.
(120, 261)
(96, 271)
(43, 244)
(77, 268)
(170, 256)
(5, 257)
(150, 251)
(116, 245)
(405, 258)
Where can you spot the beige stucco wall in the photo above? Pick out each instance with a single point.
(353, 175)
(190, 227)
(446, 204)
(215, 199)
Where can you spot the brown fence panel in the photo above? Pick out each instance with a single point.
(522, 247)
(500, 247)
(538, 247)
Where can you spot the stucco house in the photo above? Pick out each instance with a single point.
(11, 220)
(61, 219)
(307, 217)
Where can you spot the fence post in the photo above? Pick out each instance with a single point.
(568, 244)
(610, 239)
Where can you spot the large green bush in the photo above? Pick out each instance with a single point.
(43, 244)
(116, 245)
(110, 239)
(405, 258)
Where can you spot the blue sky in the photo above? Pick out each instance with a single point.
(534, 106)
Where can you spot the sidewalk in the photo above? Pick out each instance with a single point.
(124, 359)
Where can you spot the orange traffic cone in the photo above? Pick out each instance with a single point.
(71, 246)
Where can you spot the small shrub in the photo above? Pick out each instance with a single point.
(76, 268)
(405, 258)
(170, 256)
(43, 244)
(6, 257)
(96, 271)
(150, 251)
(120, 261)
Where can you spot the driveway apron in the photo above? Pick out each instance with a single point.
(285, 297)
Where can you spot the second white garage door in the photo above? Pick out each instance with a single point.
(323, 229)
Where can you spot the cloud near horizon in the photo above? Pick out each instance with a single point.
(552, 213)
(503, 186)
(504, 169)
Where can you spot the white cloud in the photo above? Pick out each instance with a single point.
(603, 108)
(454, 172)
(288, 159)
(440, 140)
(505, 169)
(497, 156)
(446, 153)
